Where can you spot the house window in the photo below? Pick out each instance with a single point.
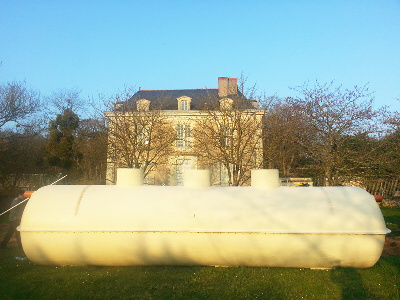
(226, 136)
(180, 170)
(142, 135)
(184, 103)
(182, 164)
(183, 135)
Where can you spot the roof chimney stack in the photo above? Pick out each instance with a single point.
(227, 86)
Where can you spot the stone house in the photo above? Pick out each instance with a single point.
(187, 112)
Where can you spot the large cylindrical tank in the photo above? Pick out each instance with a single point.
(306, 227)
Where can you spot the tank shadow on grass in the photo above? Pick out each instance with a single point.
(350, 282)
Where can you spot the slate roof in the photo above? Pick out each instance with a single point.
(167, 99)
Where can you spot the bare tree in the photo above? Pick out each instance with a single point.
(248, 91)
(281, 149)
(17, 103)
(63, 99)
(138, 138)
(326, 115)
(230, 134)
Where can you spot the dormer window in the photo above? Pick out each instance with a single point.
(118, 105)
(143, 105)
(225, 104)
(184, 103)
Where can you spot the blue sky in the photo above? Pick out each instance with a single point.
(102, 46)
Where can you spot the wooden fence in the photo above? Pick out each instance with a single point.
(385, 187)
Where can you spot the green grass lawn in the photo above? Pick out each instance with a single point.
(21, 279)
(392, 218)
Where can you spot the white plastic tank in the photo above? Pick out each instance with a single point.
(262, 225)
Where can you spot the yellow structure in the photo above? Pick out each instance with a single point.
(182, 112)
(262, 225)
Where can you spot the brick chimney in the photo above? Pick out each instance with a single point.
(227, 86)
(232, 86)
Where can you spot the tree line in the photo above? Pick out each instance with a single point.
(331, 134)
(43, 138)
